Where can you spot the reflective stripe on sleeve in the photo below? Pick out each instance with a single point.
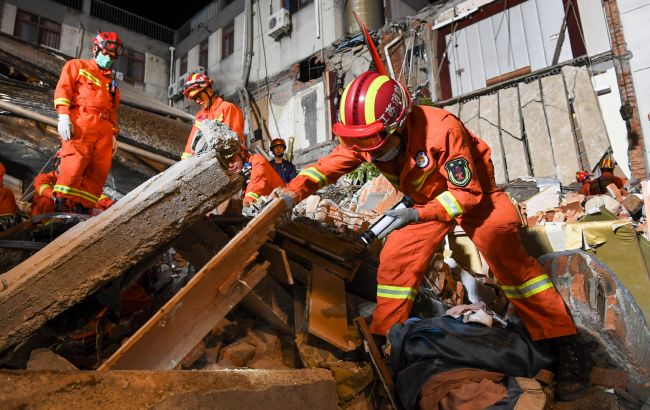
(396, 292)
(315, 175)
(42, 188)
(450, 204)
(253, 195)
(61, 101)
(529, 288)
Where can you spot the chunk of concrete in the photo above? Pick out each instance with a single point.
(45, 359)
(223, 389)
(539, 141)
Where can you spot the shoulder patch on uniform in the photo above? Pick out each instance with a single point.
(458, 171)
(421, 159)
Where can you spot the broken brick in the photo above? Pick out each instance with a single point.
(561, 265)
(632, 204)
(578, 288)
(236, 354)
(609, 378)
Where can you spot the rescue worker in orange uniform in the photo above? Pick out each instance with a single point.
(87, 98)
(428, 154)
(263, 178)
(8, 206)
(43, 202)
(104, 202)
(198, 87)
(598, 186)
(583, 178)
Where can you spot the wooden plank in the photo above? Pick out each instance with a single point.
(587, 112)
(300, 254)
(201, 242)
(270, 302)
(279, 269)
(179, 325)
(511, 137)
(327, 309)
(102, 248)
(560, 128)
(539, 142)
(488, 124)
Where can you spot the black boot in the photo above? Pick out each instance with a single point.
(61, 205)
(573, 367)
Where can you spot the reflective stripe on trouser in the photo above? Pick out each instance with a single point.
(85, 160)
(493, 227)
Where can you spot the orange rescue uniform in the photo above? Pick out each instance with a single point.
(104, 202)
(448, 172)
(85, 92)
(598, 186)
(7, 200)
(220, 110)
(43, 193)
(264, 179)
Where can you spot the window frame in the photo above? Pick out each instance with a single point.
(42, 25)
(228, 36)
(204, 53)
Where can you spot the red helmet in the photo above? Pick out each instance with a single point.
(581, 176)
(196, 83)
(277, 142)
(372, 106)
(109, 41)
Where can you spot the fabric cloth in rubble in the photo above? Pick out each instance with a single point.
(219, 110)
(448, 172)
(474, 313)
(462, 389)
(422, 348)
(88, 94)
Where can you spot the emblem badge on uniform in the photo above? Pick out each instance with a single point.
(421, 159)
(458, 172)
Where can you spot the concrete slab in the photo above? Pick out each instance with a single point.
(587, 112)
(510, 124)
(488, 124)
(560, 128)
(539, 142)
(224, 389)
(454, 109)
(469, 115)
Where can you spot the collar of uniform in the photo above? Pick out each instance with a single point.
(409, 161)
(216, 101)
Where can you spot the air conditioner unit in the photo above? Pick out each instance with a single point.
(279, 24)
(199, 69)
(119, 75)
(180, 84)
(172, 91)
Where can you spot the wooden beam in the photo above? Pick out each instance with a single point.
(179, 325)
(280, 269)
(102, 248)
(272, 303)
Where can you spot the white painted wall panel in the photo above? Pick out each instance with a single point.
(594, 26)
(475, 57)
(533, 32)
(551, 13)
(8, 18)
(451, 41)
(518, 37)
(488, 49)
(503, 43)
(464, 68)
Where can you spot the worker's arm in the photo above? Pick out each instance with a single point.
(463, 187)
(263, 179)
(44, 185)
(66, 87)
(326, 171)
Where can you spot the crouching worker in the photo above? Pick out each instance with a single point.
(429, 155)
(8, 206)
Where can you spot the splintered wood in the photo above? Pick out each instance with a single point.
(197, 308)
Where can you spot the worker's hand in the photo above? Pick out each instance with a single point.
(290, 198)
(65, 127)
(114, 146)
(402, 217)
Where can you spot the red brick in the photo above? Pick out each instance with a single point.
(578, 288)
(614, 326)
(578, 265)
(562, 262)
(609, 378)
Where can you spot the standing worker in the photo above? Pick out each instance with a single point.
(428, 154)
(8, 206)
(198, 87)
(283, 167)
(86, 98)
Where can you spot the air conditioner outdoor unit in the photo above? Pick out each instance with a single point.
(279, 24)
(172, 91)
(180, 84)
(119, 75)
(199, 69)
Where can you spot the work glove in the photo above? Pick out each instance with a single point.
(402, 217)
(65, 127)
(290, 198)
(114, 146)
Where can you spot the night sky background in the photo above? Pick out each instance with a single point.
(168, 13)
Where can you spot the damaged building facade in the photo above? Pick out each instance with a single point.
(269, 312)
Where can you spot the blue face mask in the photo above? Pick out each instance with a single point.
(103, 61)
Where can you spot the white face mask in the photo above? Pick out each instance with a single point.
(390, 155)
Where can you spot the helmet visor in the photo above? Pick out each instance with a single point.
(368, 143)
(112, 47)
